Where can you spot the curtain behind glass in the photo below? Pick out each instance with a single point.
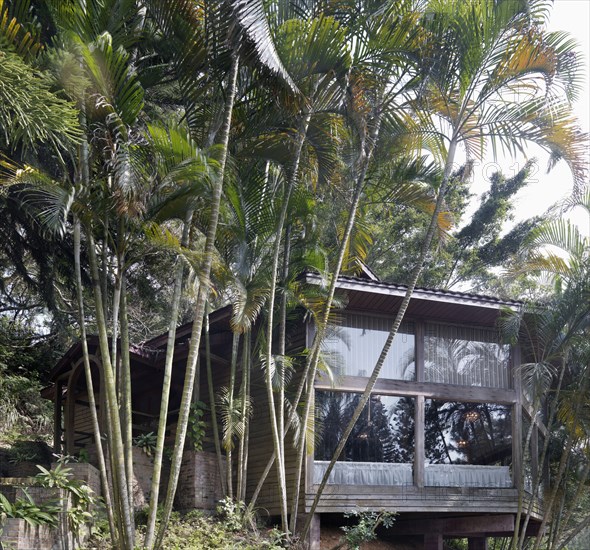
(465, 356)
(353, 347)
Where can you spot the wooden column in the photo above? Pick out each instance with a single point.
(478, 543)
(517, 435)
(57, 419)
(313, 537)
(419, 441)
(433, 541)
(535, 453)
(419, 351)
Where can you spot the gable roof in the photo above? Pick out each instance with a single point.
(436, 304)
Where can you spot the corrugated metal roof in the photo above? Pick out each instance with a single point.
(364, 284)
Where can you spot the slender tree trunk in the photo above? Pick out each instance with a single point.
(115, 360)
(116, 450)
(247, 426)
(213, 406)
(102, 467)
(538, 479)
(274, 422)
(584, 524)
(573, 503)
(127, 402)
(229, 429)
(562, 467)
(245, 397)
(104, 261)
(393, 331)
(202, 297)
(282, 345)
(311, 363)
(166, 384)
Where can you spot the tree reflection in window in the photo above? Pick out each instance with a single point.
(352, 347)
(467, 433)
(383, 433)
(468, 356)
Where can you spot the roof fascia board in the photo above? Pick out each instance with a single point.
(419, 294)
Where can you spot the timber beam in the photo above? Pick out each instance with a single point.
(456, 526)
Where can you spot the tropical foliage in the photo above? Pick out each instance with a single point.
(170, 157)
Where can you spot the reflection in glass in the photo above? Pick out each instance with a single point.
(383, 433)
(465, 355)
(353, 347)
(467, 433)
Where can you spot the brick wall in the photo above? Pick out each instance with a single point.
(199, 484)
(84, 472)
(17, 534)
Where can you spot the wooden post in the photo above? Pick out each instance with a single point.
(478, 543)
(419, 350)
(433, 541)
(535, 453)
(419, 442)
(57, 419)
(312, 542)
(517, 435)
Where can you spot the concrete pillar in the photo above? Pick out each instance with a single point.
(433, 541)
(478, 543)
(312, 542)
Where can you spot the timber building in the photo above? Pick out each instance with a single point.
(440, 442)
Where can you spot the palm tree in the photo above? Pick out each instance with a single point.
(218, 38)
(553, 335)
(478, 53)
(29, 111)
(315, 53)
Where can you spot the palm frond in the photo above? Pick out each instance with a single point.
(251, 17)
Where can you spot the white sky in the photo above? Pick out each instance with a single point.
(545, 190)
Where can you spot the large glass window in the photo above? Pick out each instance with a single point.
(466, 356)
(467, 433)
(383, 433)
(353, 346)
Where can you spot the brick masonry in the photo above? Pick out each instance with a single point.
(17, 534)
(199, 485)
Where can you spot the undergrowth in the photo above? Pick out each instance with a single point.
(197, 531)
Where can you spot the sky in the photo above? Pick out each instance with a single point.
(545, 189)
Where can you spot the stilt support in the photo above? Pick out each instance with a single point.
(478, 543)
(433, 541)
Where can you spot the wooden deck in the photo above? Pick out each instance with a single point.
(340, 498)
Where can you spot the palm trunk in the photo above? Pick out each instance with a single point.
(562, 466)
(572, 504)
(115, 321)
(166, 384)
(202, 297)
(393, 331)
(245, 396)
(283, 338)
(276, 433)
(104, 260)
(309, 372)
(90, 387)
(127, 402)
(583, 525)
(213, 407)
(519, 540)
(114, 428)
(229, 429)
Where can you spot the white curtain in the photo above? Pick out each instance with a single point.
(435, 475)
(464, 475)
(468, 356)
(364, 473)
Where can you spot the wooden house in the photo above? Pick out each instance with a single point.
(440, 442)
